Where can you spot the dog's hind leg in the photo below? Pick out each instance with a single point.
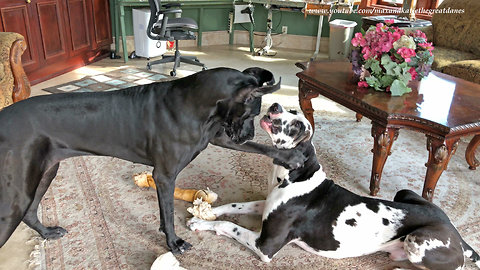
(9, 221)
(470, 253)
(408, 196)
(10, 216)
(245, 237)
(435, 247)
(31, 217)
(14, 198)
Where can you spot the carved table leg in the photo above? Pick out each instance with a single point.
(470, 153)
(383, 140)
(359, 117)
(439, 154)
(305, 95)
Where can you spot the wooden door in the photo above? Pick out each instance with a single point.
(61, 35)
(18, 16)
(52, 30)
(78, 26)
(101, 21)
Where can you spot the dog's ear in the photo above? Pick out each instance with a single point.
(249, 93)
(261, 75)
(307, 135)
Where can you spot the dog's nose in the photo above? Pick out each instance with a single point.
(275, 108)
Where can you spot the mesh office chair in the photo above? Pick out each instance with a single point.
(171, 29)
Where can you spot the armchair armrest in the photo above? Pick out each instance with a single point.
(14, 84)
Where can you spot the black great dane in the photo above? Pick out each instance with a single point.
(164, 125)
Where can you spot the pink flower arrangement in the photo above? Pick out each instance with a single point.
(406, 53)
(390, 57)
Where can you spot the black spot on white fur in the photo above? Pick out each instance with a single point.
(373, 206)
(352, 222)
(283, 184)
(234, 205)
(385, 221)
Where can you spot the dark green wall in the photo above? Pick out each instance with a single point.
(216, 19)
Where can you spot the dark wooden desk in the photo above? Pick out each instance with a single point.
(373, 20)
(442, 107)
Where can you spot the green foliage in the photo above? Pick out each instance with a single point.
(374, 66)
(399, 88)
(395, 75)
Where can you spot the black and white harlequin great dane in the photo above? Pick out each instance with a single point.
(305, 208)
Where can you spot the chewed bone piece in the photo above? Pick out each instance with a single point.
(166, 262)
(146, 180)
(201, 210)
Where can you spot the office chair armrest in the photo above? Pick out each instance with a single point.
(170, 11)
(170, 5)
(171, 8)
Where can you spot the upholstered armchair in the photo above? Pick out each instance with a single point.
(456, 38)
(14, 84)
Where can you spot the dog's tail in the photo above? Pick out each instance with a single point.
(471, 254)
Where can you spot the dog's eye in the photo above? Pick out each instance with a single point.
(298, 124)
(277, 122)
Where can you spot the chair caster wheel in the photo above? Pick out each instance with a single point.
(173, 73)
(149, 67)
(113, 55)
(204, 68)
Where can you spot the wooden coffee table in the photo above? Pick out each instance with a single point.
(442, 107)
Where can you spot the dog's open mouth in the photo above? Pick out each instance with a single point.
(266, 123)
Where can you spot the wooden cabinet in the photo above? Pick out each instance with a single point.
(61, 35)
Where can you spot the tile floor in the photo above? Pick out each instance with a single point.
(15, 254)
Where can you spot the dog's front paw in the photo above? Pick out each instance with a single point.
(52, 233)
(197, 224)
(179, 246)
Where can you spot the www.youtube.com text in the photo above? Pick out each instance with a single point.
(371, 11)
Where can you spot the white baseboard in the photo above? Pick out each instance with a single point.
(241, 37)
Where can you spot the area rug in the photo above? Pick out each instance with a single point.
(109, 81)
(113, 224)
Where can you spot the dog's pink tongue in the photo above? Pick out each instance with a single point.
(265, 124)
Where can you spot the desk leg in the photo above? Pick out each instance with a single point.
(123, 33)
(116, 20)
(439, 154)
(470, 153)
(383, 139)
(250, 32)
(319, 37)
(305, 95)
(200, 28)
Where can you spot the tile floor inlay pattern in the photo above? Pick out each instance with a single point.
(109, 81)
